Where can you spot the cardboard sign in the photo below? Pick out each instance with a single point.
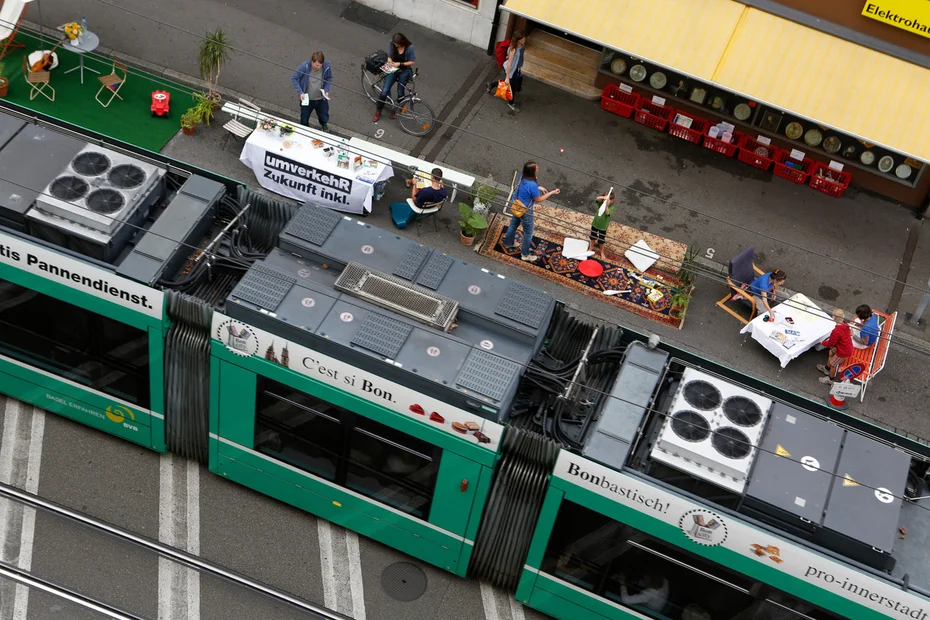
(626, 88)
(845, 389)
(798, 155)
(835, 165)
(658, 100)
(763, 140)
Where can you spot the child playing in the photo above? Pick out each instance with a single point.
(600, 223)
(841, 347)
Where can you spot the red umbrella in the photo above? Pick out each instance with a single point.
(591, 268)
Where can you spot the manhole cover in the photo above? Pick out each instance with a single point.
(403, 581)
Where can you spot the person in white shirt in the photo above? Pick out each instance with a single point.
(654, 594)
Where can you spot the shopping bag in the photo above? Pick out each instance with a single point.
(503, 91)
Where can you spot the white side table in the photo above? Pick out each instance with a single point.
(89, 43)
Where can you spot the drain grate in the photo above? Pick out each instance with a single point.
(313, 224)
(264, 287)
(403, 581)
(382, 334)
(410, 262)
(524, 304)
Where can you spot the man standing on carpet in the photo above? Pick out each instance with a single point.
(312, 81)
(601, 222)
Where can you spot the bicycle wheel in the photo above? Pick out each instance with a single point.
(371, 85)
(416, 117)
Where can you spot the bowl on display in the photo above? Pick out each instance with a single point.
(867, 158)
(813, 137)
(794, 130)
(903, 171)
(886, 163)
(742, 111)
(717, 103)
(849, 152)
(638, 73)
(832, 144)
(618, 66)
(658, 80)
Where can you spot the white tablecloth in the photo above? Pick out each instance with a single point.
(292, 167)
(810, 322)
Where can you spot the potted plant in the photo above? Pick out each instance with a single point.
(212, 54)
(286, 130)
(471, 223)
(205, 107)
(189, 120)
(268, 125)
(484, 198)
(681, 297)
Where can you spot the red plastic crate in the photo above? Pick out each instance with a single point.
(748, 155)
(831, 188)
(652, 115)
(726, 148)
(691, 134)
(613, 99)
(792, 174)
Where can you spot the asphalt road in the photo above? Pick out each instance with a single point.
(694, 197)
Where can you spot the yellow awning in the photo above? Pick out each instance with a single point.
(843, 85)
(688, 35)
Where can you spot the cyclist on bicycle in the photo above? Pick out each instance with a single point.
(403, 56)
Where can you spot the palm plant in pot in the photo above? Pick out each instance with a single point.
(212, 54)
(471, 223)
(205, 106)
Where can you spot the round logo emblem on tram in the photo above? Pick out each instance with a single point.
(118, 413)
(704, 527)
(238, 338)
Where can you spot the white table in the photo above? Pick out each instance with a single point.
(812, 323)
(89, 43)
(292, 167)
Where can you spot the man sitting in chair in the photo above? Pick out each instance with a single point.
(434, 193)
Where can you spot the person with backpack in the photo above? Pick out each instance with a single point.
(528, 194)
(312, 81)
(509, 55)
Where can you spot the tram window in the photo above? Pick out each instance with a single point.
(629, 567)
(331, 442)
(74, 343)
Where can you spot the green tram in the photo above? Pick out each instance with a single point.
(471, 421)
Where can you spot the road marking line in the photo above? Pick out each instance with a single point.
(356, 581)
(488, 602)
(341, 570)
(516, 609)
(325, 539)
(193, 536)
(178, 526)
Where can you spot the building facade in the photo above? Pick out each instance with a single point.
(470, 21)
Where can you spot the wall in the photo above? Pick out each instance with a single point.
(453, 18)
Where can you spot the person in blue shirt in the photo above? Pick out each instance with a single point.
(403, 56)
(529, 193)
(866, 335)
(402, 214)
(312, 81)
(763, 289)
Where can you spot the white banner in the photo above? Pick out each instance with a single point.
(292, 166)
(707, 527)
(82, 277)
(249, 341)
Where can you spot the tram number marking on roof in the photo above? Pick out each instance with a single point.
(346, 317)
(474, 289)
(486, 344)
(884, 495)
(704, 527)
(303, 273)
(308, 302)
(810, 463)
(368, 249)
(433, 351)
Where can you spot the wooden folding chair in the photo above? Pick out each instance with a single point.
(38, 80)
(112, 82)
(236, 127)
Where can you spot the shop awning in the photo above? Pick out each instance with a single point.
(688, 35)
(851, 88)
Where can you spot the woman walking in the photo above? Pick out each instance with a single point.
(402, 56)
(528, 194)
(513, 76)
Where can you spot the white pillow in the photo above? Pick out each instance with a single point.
(641, 255)
(574, 248)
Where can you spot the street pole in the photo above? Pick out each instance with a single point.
(921, 307)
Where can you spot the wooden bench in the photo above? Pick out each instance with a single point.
(872, 359)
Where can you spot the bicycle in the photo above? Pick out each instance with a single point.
(415, 115)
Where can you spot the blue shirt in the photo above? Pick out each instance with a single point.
(527, 192)
(428, 195)
(869, 331)
(300, 79)
(762, 284)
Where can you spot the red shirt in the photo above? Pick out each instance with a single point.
(841, 338)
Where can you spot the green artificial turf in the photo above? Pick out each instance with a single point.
(129, 119)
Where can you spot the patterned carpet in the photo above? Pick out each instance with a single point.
(555, 267)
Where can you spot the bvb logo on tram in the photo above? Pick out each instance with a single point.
(119, 413)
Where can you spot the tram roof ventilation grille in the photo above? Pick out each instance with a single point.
(398, 295)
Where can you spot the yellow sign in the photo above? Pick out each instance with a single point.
(910, 15)
(849, 482)
(118, 413)
(780, 451)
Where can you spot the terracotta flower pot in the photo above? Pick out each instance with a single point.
(466, 240)
(4, 85)
(188, 131)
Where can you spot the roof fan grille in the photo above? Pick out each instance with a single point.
(702, 395)
(126, 176)
(690, 426)
(731, 443)
(91, 164)
(742, 411)
(105, 201)
(69, 188)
